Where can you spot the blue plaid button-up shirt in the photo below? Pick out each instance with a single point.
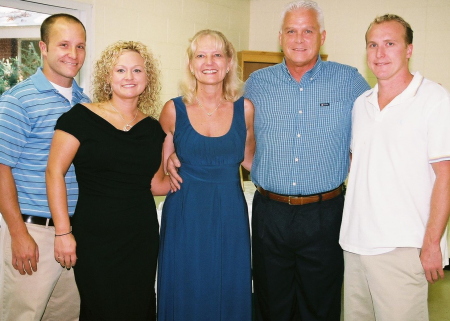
(303, 129)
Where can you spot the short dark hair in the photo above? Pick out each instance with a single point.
(393, 17)
(47, 24)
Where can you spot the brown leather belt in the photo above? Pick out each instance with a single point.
(302, 200)
(39, 220)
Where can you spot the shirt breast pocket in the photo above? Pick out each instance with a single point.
(333, 116)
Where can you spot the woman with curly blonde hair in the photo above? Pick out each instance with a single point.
(204, 263)
(116, 148)
(148, 102)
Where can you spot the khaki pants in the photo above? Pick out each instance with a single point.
(49, 294)
(386, 287)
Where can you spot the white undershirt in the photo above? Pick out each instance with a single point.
(66, 92)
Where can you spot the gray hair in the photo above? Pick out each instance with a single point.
(305, 4)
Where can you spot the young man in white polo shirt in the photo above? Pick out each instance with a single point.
(398, 197)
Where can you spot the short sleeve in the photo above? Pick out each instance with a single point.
(72, 122)
(14, 129)
(439, 131)
(159, 131)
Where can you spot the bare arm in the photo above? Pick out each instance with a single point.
(62, 152)
(431, 256)
(250, 140)
(171, 162)
(160, 184)
(25, 251)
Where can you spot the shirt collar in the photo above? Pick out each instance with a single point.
(310, 74)
(409, 92)
(42, 84)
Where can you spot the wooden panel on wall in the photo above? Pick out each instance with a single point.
(250, 60)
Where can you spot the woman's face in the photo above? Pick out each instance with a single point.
(209, 64)
(128, 77)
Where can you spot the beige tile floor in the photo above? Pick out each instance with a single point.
(439, 299)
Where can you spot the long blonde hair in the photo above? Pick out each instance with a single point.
(232, 85)
(149, 101)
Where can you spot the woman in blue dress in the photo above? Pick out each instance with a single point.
(204, 269)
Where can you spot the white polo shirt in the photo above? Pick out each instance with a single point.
(390, 182)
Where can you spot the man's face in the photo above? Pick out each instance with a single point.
(387, 52)
(300, 38)
(64, 53)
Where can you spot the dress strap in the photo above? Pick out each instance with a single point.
(239, 113)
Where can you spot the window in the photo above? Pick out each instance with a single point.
(19, 54)
(19, 36)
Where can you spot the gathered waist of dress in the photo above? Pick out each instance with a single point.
(210, 173)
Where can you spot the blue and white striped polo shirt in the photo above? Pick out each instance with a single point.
(302, 129)
(28, 114)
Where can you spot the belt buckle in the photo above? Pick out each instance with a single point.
(296, 198)
(301, 200)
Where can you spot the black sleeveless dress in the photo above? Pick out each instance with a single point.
(115, 222)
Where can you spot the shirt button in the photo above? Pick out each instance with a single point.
(301, 89)
(296, 159)
(294, 183)
(298, 135)
(300, 111)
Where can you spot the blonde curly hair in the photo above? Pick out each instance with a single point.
(149, 101)
(232, 85)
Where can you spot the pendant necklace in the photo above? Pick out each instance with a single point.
(215, 109)
(127, 126)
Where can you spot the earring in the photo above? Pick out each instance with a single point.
(228, 70)
(192, 72)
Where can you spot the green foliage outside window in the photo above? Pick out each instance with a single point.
(13, 71)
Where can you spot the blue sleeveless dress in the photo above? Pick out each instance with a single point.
(204, 271)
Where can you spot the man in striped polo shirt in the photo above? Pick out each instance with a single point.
(33, 286)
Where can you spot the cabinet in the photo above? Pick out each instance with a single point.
(250, 60)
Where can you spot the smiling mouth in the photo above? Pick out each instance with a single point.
(209, 71)
(129, 85)
(70, 63)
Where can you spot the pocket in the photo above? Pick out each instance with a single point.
(258, 208)
(413, 259)
(335, 115)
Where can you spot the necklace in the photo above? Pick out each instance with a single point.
(201, 106)
(127, 126)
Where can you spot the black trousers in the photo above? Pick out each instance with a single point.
(298, 264)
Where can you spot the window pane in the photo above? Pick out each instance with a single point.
(19, 45)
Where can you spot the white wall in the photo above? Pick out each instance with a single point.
(165, 27)
(346, 22)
